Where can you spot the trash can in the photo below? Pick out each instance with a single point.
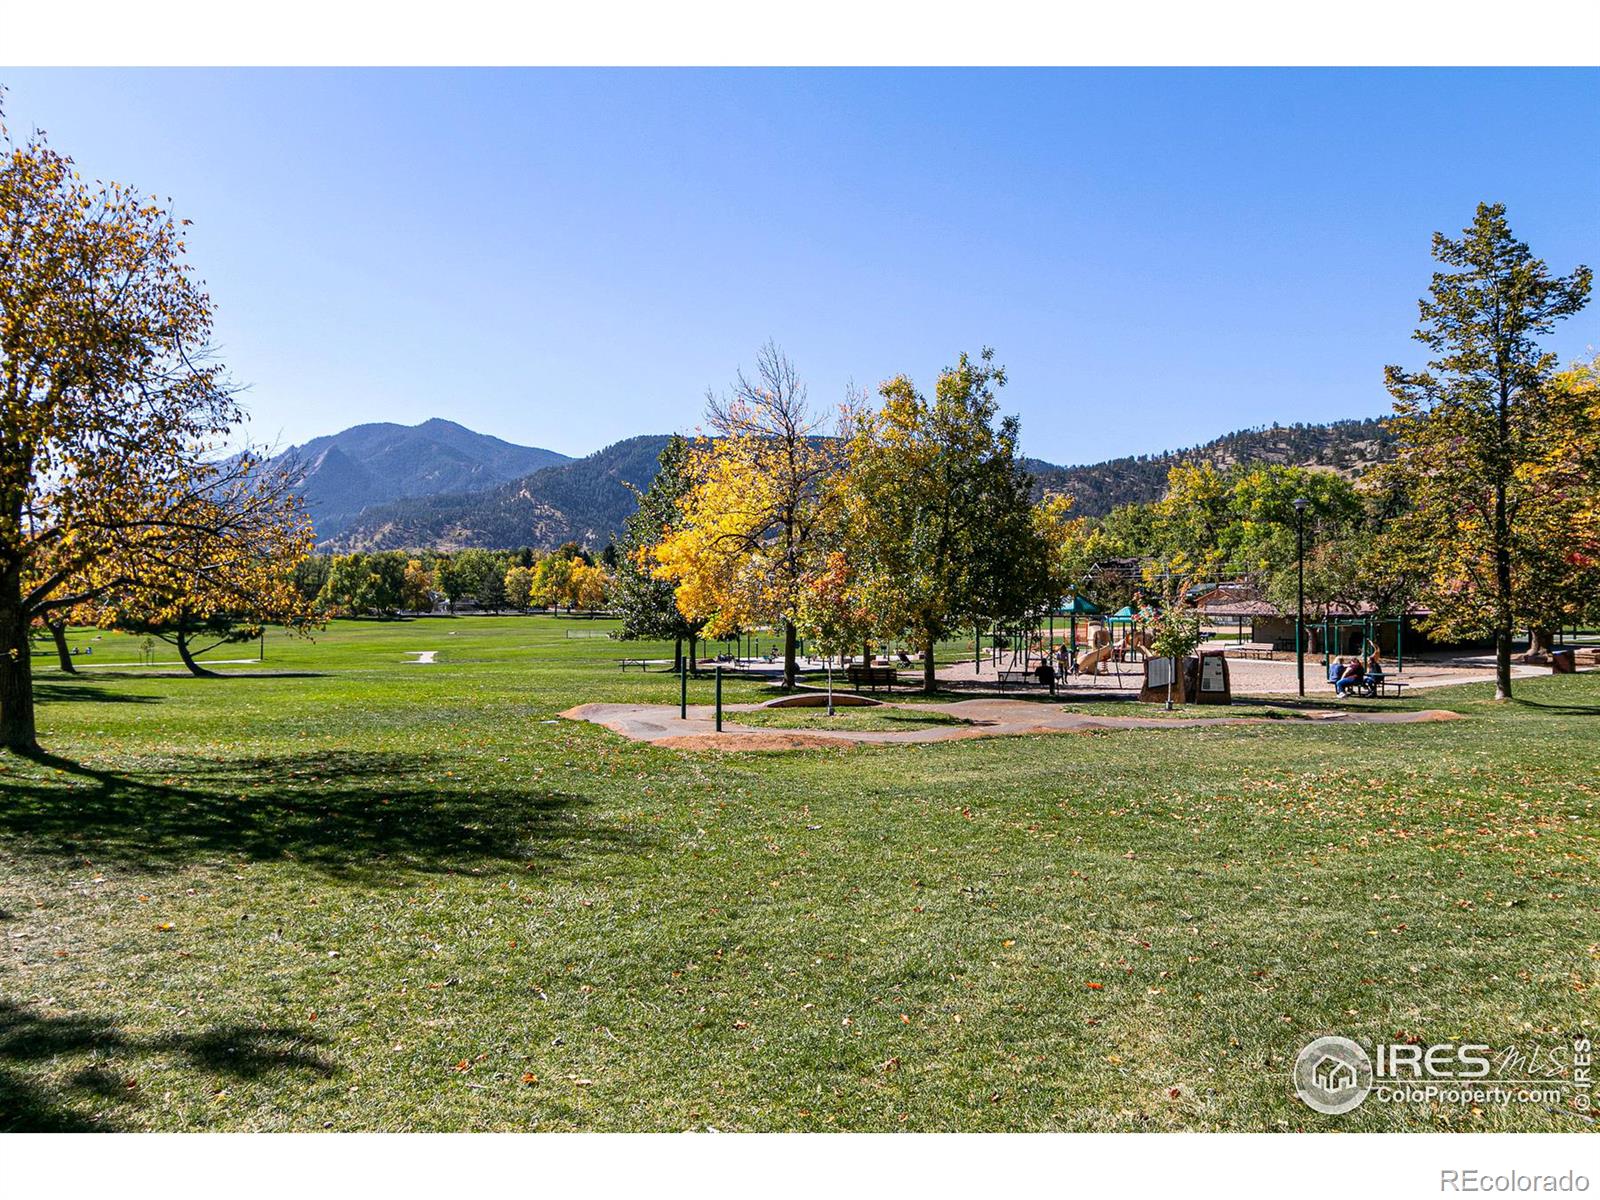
(1563, 662)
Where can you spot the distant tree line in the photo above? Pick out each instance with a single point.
(387, 582)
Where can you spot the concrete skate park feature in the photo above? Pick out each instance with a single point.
(660, 724)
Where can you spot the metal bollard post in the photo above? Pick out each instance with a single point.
(683, 690)
(719, 699)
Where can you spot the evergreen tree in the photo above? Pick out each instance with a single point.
(1474, 427)
(645, 603)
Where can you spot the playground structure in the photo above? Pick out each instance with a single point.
(1359, 635)
(1112, 640)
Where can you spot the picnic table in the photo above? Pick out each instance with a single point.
(1375, 687)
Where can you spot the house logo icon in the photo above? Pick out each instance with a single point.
(1332, 1075)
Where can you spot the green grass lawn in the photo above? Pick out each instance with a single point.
(1286, 710)
(342, 891)
(885, 718)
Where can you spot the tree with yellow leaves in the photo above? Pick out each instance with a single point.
(519, 587)
(551, 584)
(109, 408)
(1067, 542)
(416, 587)
(755, 519)
(587, 586)
(228, 572)
(1558, 568)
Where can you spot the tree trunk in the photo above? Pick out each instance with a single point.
(17, 730)
(58, 631)
(930, 684)
(790, 667)
(1502, 605)
(188, 659)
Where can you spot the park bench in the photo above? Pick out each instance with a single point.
(1255, 650)
(1017, 676)
(873, 677)
(642, 663)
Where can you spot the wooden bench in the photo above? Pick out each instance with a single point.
(873, 677)
(1256, 651)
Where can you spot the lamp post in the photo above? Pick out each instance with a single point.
(1300, 503)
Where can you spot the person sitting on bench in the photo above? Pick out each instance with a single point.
(905, 659)
(1375, 671)
(1348, 675)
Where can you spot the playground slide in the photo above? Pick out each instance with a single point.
(1090, 661)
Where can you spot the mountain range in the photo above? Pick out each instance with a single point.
(344, 474)
(389, 487)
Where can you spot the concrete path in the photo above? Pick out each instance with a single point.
(661, 725)
(425, 657)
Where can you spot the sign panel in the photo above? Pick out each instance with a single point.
(1157, 672)
(1212, 675)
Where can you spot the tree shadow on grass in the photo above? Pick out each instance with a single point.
(1560, 710)
(352, 814)
(88, 1100)
(85, 691)
(110, 674)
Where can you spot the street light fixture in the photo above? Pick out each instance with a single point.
(1300, 505)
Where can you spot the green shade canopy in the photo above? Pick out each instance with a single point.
(1123, 616)
(1077, 606)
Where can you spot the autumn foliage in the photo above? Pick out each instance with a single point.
(110, 414)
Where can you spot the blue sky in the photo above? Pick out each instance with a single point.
(567, 257)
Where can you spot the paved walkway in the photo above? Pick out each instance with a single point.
(661, 725)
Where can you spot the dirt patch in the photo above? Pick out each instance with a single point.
(755, 741)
